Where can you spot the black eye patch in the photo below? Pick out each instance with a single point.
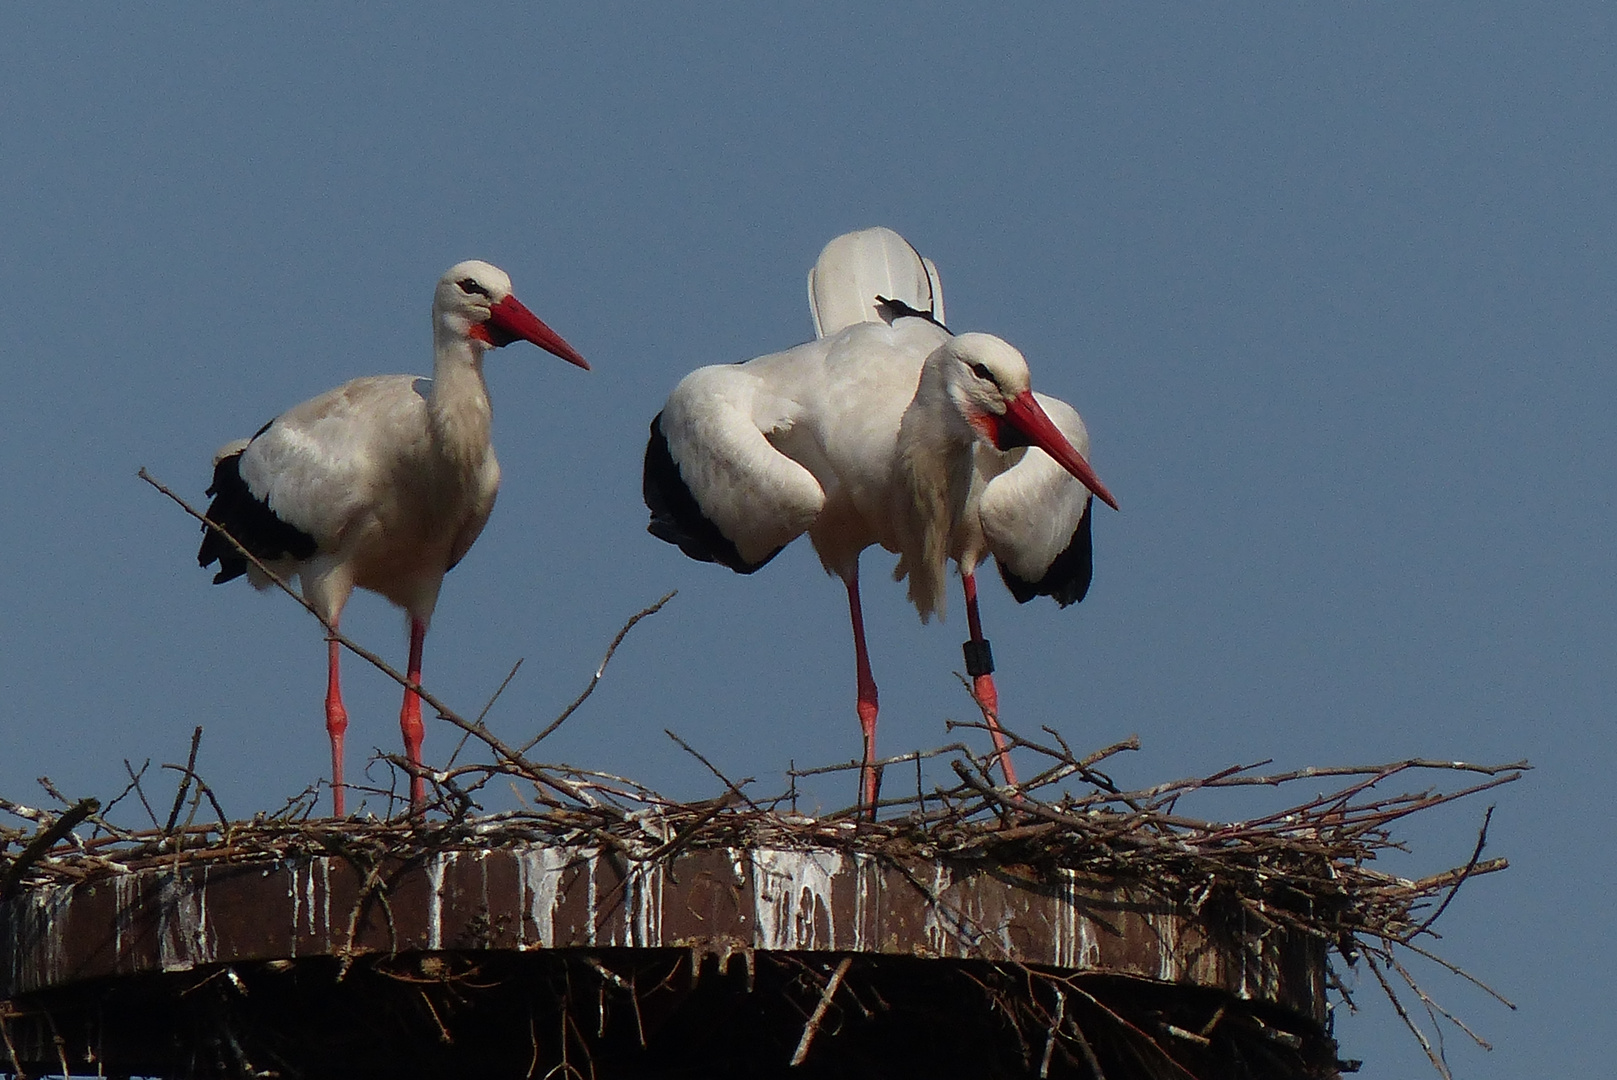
(470, 285)
(982, 372)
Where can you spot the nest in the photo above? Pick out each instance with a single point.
(1306, 867)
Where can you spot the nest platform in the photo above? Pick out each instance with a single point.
(712, 962)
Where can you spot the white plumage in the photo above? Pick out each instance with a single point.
(888, 430)
(383, 483)
(1031, 506)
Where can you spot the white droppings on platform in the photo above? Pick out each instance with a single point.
(593, 896)
(864, 870)
(440, 863)
(325, 896)
(791, 890)
(482, 878)
(942, 925)
(539, 873)
(296, 899)
(43, 959)
(301, 891)
(1088, 945)
(1067, 932)
(1166, 929)
(1242, 950)
(308, 894)
(123, 897)
(643, 904)
(183, 941)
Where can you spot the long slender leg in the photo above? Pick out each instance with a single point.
(336, 725)
(980, 666)
(410, 717)
(867, 696)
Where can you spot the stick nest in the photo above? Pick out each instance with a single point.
(1307, 865)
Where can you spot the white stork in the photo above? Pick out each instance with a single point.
(887, 429)
(383, 484)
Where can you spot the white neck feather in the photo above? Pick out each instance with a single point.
(935, 446)
(462, 416)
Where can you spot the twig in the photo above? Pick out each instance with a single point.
(11, 1048)
(185, 781)
(599, 671)
(1056, 1023)
(1465, 872)
(813, 1025)
(1433, 1009)
(484, 714)
(43, 843)
(134, 782)
(1461, 972)
(1403, 1014)
(1134, 1028)
(726, 781)
(202, 789)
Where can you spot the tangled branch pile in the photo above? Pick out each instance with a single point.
(1306, 865)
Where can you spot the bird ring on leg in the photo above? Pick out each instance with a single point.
(979, 658)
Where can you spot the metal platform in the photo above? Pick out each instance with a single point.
(292, 942)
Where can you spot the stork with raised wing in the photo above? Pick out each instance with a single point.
(383, 483)
(887, 429)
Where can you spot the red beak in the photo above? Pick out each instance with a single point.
(509, 320)
(1024, 414)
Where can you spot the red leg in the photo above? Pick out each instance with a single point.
(982, 680)
(410, 717)
(336, 725)
(867, 697)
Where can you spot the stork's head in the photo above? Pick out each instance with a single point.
(474, 302)
(989, 385)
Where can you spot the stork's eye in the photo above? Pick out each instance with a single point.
(982, 372)
(470, 285)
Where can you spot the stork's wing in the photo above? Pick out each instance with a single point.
(317, 467)
(857, 267)
(246, 518)
(714, 483)
(1036, 516)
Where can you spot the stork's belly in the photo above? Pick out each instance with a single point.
(403, 564)
(841, 532)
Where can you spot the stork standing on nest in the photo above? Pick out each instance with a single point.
(383, 484)
(888, 429)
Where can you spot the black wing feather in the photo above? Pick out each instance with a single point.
(1067, 579)
(250, 520)
(675, 515)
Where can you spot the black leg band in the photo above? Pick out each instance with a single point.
(979, 658)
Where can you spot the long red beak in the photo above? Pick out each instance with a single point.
(1024, 414)
(510, 320)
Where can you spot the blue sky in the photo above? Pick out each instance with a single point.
(1331, 286)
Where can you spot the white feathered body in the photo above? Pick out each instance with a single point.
(843, 439)
(393, 476)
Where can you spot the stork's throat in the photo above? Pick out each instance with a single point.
(999, 432)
